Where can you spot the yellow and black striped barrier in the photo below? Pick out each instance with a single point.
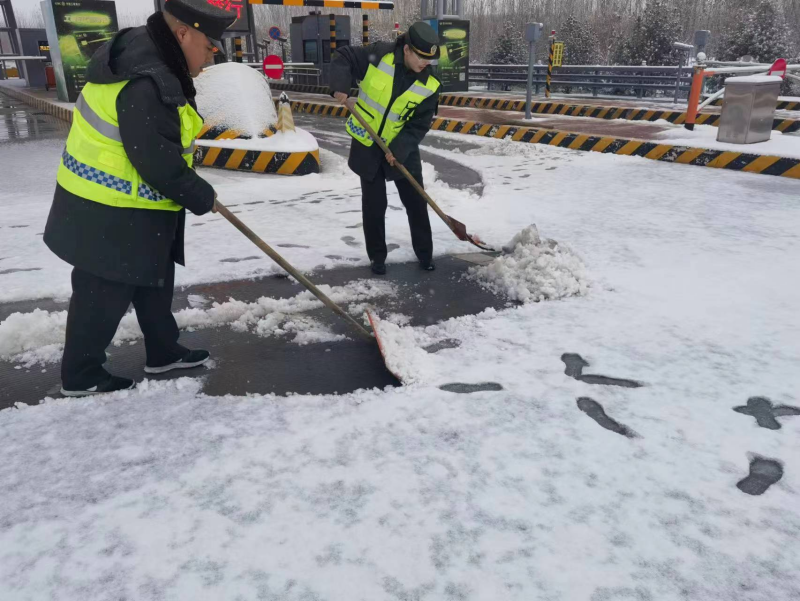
(783, 105)
(598, 112)
(254, 161)
(364, 29)
(359, 4)
(667, 153)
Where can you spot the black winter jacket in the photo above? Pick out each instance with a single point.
(348, 67)
(135, 246)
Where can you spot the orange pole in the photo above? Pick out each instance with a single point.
(694, 97)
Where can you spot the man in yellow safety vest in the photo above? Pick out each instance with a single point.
(397, 96)
(124, 181)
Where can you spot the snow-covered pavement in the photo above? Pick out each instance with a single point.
(494, 476)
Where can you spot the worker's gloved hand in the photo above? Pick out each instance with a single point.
(340, 97)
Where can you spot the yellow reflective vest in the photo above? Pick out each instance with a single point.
(374, 96)
(94, 164)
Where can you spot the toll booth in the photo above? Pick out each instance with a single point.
(310, 37)
(33, 42)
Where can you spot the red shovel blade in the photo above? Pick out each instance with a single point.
(460, 230)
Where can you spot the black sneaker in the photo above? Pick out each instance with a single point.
(113, 384)
(378, 268)
(427, 265)
(192, 359)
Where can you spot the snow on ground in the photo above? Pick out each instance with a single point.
(237, 97)
(38, 337)
(508, 491)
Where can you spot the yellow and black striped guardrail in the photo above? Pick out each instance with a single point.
(720, 159)
(254, 161)
(667, 153)
(597, 112)
(783, 105)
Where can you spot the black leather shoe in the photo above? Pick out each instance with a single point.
(192, 359)
(113, 384)
(378, 268)
(427, 265)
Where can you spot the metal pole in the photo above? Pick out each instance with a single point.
(528, 98)
(333, 35)
(364, 29)
(550, 64)
(238, 43)
(678, 81)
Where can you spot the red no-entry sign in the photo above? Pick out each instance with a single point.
(273, 66)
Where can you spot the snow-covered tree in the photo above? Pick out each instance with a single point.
(652, 36)
(760, 31)
(580, 42)
(510, 47)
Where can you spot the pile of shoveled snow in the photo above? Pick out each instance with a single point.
(37, 337)
(237, 97)
(534, 269)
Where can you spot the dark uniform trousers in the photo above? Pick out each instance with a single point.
(95, 310)
(373, 206)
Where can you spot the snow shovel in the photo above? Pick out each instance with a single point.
(223, 210)
(458, 228)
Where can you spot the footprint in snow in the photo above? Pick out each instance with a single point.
(350, 241)
(595, 410)
(292, 246)
(763, 474)
(15, 227)
(239, 260)
(462, 388)
(391, 247)
(574, 369)
(354, 227)
(765, 413)
(7, 271)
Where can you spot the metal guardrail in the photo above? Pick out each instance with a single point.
(296, 73)
(616, 79)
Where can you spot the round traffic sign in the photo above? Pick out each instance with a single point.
(274, 32)
(273, 66)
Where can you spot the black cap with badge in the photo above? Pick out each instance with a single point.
(423, 40)
(203, 16)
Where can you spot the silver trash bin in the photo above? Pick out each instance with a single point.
(749, 109)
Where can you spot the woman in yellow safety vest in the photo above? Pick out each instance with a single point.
(398, 96)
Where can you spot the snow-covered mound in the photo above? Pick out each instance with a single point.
(237, 97)
(534, 269)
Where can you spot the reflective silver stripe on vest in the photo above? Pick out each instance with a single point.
(93, 119)
(363, 97)
(421, 90)
(189, 150)
(392, 116)
(386, 68)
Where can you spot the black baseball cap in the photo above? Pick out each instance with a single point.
(203, 16)
(423, 40)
